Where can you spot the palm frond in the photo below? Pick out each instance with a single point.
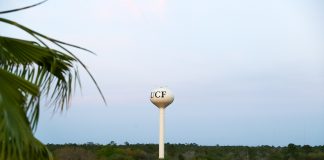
(41, 66)
(23, 8)
(16, 137)
(60, 44)
(28, 71)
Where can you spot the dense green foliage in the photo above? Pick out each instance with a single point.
(112, 151)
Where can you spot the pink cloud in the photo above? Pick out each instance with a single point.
(139, 9)
(133, 8)
(161, 8)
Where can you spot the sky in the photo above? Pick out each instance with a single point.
(242, 72)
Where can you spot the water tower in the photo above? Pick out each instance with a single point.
(161, 97)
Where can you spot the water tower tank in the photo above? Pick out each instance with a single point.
(161, 97)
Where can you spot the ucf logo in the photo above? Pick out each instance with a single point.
(158, 94)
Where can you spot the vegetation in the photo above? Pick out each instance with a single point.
(112, 151)
(30, 70)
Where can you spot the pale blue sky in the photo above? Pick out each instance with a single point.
(243, 72)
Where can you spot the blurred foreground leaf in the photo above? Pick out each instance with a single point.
(30, 70)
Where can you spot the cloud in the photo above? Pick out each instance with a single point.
(133, 8)
(140, 10)
(129, 11)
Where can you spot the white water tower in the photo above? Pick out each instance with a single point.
(161, 97)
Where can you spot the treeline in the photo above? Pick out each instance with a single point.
(112, 151)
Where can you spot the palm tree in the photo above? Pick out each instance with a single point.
(30, 70)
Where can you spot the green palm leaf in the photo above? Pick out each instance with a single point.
(16, 137)
(28, 71)
(41, 66)
(19, 9)
(58, 43)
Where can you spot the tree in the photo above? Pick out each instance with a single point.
(74, 153)
(30, 70)
(292, 150)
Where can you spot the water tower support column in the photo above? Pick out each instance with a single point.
(161, 144)
(161, 97)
